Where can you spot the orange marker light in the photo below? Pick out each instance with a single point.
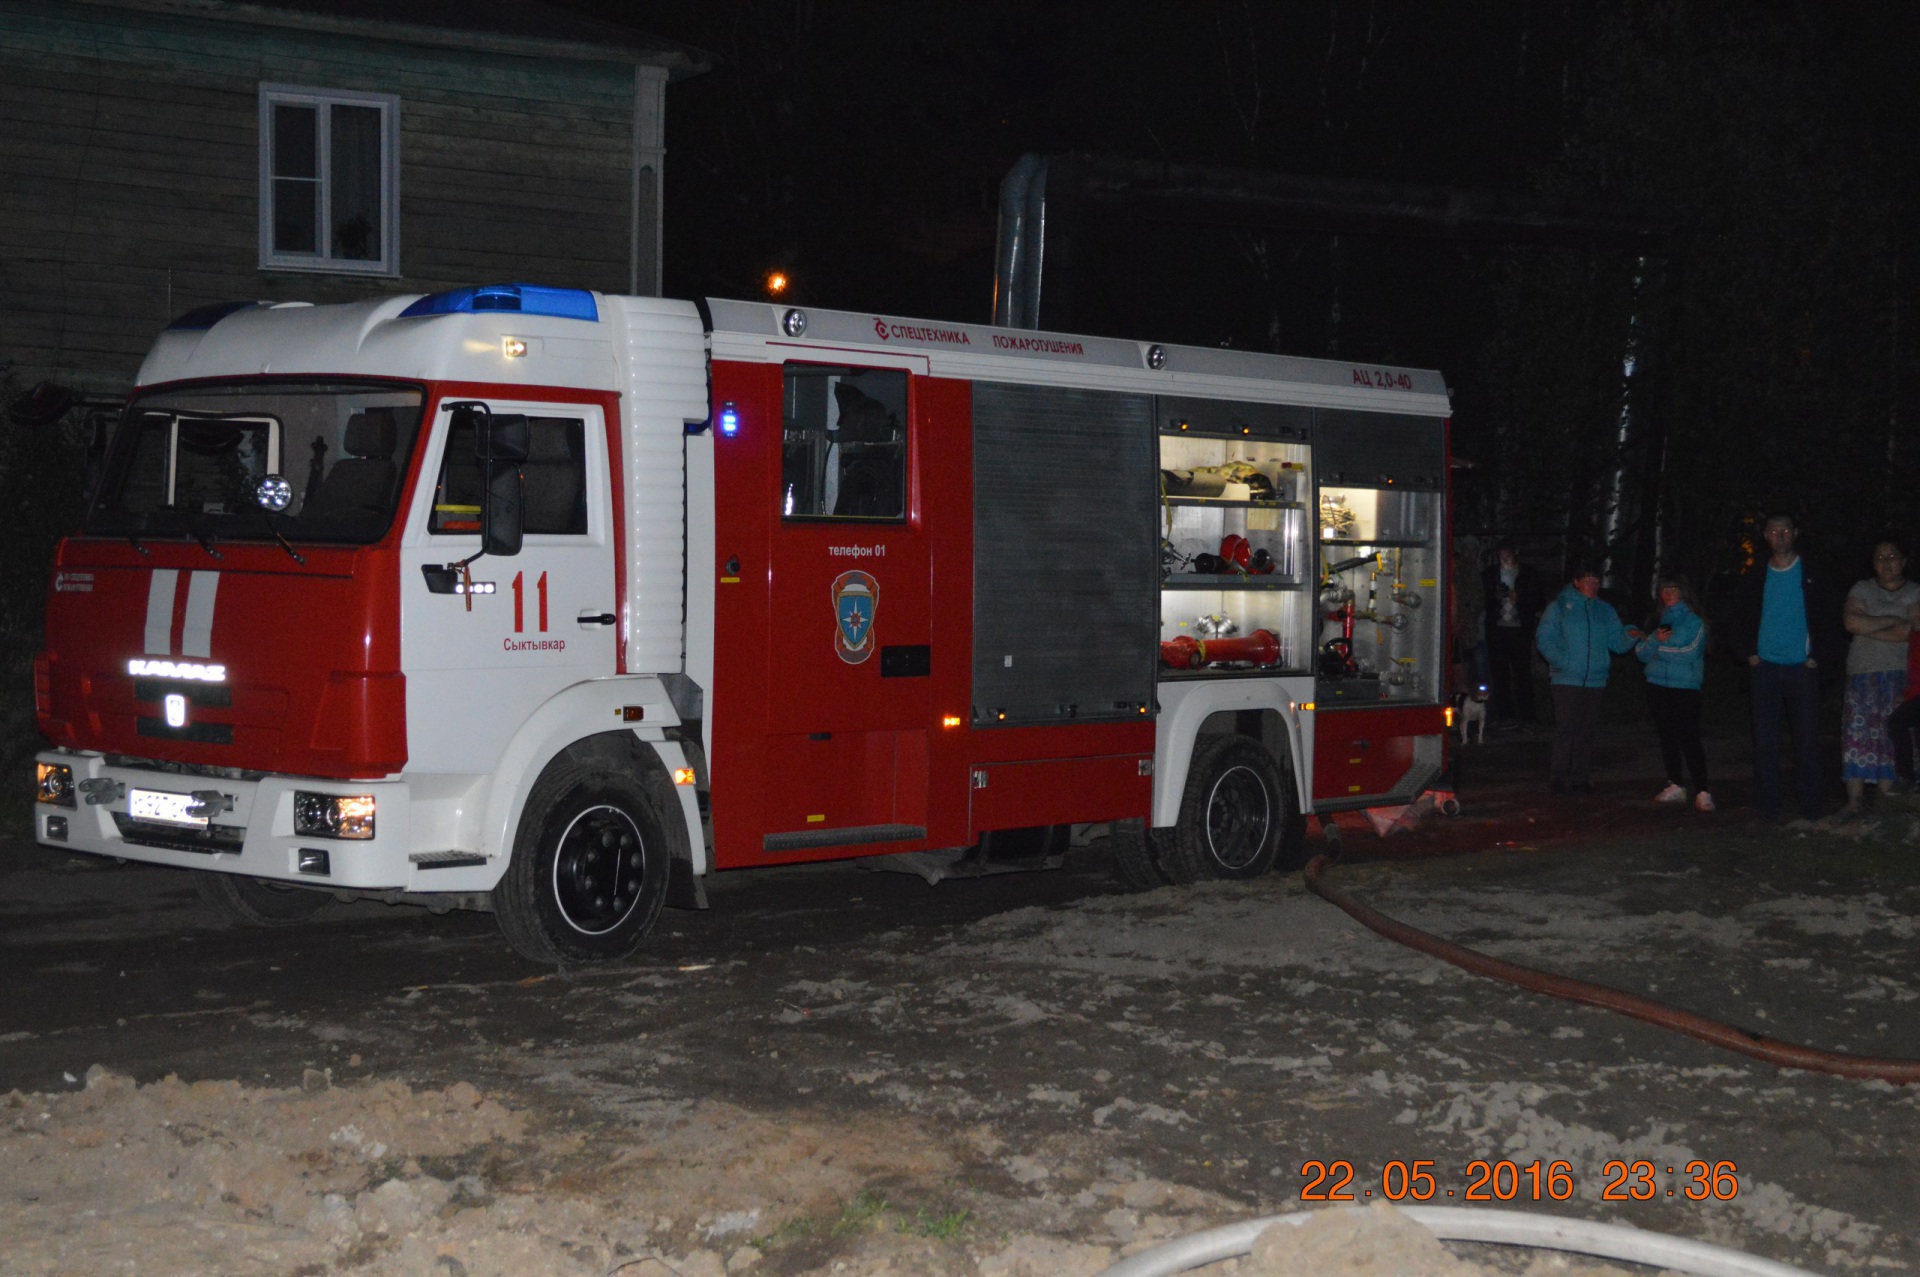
(949, 720)
(683, 775)
(776, 282)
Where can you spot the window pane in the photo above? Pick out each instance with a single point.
(192, 458)
(553, 479)
(554, 475)
(355, 197)
(295, 149)
(844, 444)
(296, 215)
(456, 498)
(218, 461)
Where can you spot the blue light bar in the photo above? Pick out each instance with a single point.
(729, 420)
(521, 299)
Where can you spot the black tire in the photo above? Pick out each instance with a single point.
(1233, 815)
(589, 869)
(257, 902)
(1133, 860)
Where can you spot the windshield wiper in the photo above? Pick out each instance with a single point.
(206, 543)
(273, 530)
(297, 557)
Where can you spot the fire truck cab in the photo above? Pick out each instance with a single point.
(554, 602)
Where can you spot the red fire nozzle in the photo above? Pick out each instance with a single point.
(1188, 653)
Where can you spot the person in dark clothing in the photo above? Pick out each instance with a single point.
(1786, 625)
(1514, 601)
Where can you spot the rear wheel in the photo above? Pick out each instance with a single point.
(589, 870)
(1233, 815)
(257, 902)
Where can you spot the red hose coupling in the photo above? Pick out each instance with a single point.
(1261, 647)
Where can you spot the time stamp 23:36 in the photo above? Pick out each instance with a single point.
(1506, 1181)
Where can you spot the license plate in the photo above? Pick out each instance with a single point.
(161, 808)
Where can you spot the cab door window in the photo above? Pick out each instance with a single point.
(553, 479)
(843, 444)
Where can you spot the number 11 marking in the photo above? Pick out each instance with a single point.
(519, 602)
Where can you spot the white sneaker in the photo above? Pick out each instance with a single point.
(1671, 794)
(1703, 801)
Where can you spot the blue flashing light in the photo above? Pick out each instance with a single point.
(519, 299)
(729, 420)
(201, 318)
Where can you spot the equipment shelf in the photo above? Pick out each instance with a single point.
(1230, 581)
(1389, 543)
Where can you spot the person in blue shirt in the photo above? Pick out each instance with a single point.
(1579, 634)
(1675, 655)
(1786, 623)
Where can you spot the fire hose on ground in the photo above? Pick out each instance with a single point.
(1460, 1224)
(1786, 1055)
(1586, 1237)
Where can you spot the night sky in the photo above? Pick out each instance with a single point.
(859, 147)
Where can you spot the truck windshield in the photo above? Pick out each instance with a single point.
(186, 461)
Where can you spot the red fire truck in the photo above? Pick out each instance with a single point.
(553, 602)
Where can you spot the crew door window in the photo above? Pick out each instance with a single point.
(553, 478)
(844, 444)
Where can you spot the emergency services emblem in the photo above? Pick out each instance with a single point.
(856, 596)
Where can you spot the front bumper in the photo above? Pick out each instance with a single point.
(255, 837)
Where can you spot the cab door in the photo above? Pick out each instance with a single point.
(536, 622)
(849, 649)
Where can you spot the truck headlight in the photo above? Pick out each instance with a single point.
(53, 783)
(332, 815)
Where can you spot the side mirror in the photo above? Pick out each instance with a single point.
(500, 445)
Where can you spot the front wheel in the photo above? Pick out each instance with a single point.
(589, 870)
(1233, 816)
(257, 902)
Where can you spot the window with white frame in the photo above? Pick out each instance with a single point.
(329, 180)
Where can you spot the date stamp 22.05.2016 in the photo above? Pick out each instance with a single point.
(1507, 1181)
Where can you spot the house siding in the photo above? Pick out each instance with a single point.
(129, 174)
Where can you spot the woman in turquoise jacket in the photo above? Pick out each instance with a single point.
(1579, 633)
(1675, 655)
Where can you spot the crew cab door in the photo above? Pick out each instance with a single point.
(836, 747)
(479, 663)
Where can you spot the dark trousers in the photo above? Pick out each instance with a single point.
(1676, 716)
(1901, 725)
(1788, 694)
(1576, 712)
(1510, 672)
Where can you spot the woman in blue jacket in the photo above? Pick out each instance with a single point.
(1579, 633)
(1675, 655)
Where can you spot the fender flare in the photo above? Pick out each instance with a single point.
(1186, 706)
(583, 710)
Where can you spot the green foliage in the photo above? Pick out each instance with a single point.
(868, 1211)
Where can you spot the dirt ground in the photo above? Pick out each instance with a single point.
(841, 1072)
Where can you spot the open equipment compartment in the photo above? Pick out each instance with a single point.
(1236, 553)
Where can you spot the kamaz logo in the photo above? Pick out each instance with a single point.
(177, 669)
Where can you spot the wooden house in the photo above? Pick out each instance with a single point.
(165, 154)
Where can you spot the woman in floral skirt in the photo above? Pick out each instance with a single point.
(1876, 616)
